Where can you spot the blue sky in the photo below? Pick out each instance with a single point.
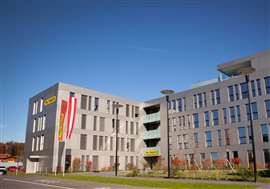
(151, 44)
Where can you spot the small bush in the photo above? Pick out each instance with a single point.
(264, 173)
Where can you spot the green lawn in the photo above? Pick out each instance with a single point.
(156, 183)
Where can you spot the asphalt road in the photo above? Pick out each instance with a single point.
(35, 182)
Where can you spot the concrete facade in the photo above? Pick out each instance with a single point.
(195, 135)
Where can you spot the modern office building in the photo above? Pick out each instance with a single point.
(208, 121)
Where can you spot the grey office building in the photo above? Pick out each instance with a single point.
(208, 121)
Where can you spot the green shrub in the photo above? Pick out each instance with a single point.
(264, 173)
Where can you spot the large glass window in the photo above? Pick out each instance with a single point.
(238, 111)
(215, 117)
(195, 104)
(206, 119)
(217, 91)
(225, 116)
(227, 136)
(205, 99)
(180, 104)
(196, 120)
(244, 90)
(214, 156)
(242, 135)
(232, 114)
(267, 107)
(213, 97)
(254, 110)
(83, 121)
(96, 105)
(208, 139)
(253, 88)
(267, 85)
(231, 93)
(265, 132)
(83, 102)
(83, 142)
(236, 87)
(266, 153)
(200, 97)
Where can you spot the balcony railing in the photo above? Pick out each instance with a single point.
(152, 134)
(151, 152)
(151, 118)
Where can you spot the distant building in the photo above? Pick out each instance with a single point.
(208, 121)
(7, 158)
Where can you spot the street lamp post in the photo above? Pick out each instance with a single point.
(167, 93)
(117, 106)
(246, 72)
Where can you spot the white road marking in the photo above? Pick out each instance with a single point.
(35, 183)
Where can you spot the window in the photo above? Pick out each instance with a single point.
(34, 125)
(267, 85)
(202, 156)
(236, 87)
(106, 143)
(259, 87)
(132, 128)
(184, 102)
(217, 92)
(196, 120)
(33, 143)
(265, 132)
(206, 119)
(89, 103)
(205, 99)
(95, 123)
(196, 140)
(96, 105)
(180, 105)
(185, 140)
(41, 147)
(137, 128)
(238, 111)
(174, 104)
(137, 111)
(41, 105)
(219, 138)
(267, 107)
(111, 143)
(126, 127)
(83, 142)
(214, 156)
(231, 93)
(215, 117)
(108, 106)
(132, 111)
(94, 142)
(37, 144)
(213, 97)
(208, 139)
(122, 144)
(227, 136)
(253, 88)
(35, 107)
(83, 102)
(242, 135)
(102, 124)
(195, 104)
(100, 146)
(266, 153)
(83, 124)
(127, 110)
(254, 110)
(244, 90)
(200, 97)
(225, 116)
(132, 145)
(232, 114)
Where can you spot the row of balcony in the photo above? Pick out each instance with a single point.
(150, 118)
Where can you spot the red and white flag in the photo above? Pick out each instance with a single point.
(71, 114)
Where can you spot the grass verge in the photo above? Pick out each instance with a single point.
(156, 183)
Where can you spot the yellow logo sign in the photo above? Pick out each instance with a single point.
(50, 100)
(151, 152)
